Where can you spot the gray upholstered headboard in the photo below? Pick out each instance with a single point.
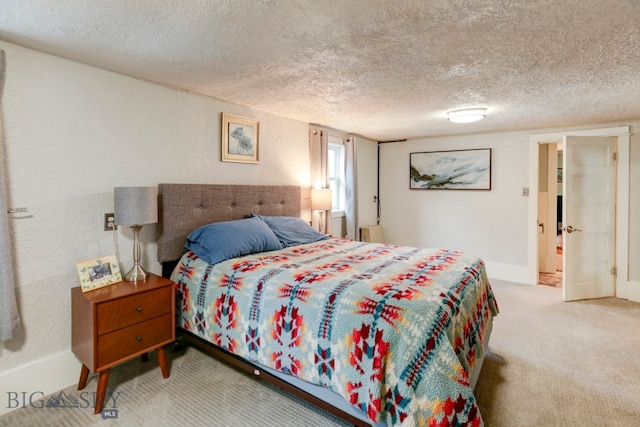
(185, 207)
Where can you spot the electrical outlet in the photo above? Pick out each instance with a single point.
(525, 191)
(110, 222)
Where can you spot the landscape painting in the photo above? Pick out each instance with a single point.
(451, 170)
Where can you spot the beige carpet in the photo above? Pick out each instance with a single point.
(555, 363)
(551, 364)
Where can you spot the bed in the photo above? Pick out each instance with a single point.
(376, 334)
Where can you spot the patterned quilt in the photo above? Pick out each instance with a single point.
(394, 330)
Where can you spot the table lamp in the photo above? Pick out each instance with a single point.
(321, 201)
(136, 206)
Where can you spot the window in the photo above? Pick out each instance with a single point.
(335, 159)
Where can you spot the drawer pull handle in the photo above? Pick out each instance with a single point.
(139, 309)
(139, 338)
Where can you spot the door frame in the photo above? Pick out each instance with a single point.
(623, 287)
(550, 216)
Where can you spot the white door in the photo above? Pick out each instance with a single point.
(589, 184)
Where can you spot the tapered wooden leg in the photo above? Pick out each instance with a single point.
(162, 360)
(103, 380)
(84, 374)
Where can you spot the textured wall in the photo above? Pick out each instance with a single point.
(491, 224)
(74, 132)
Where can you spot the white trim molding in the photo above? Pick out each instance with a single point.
(30, 383)
(510, 273)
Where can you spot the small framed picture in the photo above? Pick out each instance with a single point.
(98, 272)
(240, 139)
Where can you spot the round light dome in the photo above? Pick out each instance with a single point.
(467, 115)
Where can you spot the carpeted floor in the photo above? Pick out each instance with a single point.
(551, 363)
(555, 363)
(201, 391)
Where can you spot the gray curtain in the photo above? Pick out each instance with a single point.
(318, 153)
(351, 188)
(9, 319)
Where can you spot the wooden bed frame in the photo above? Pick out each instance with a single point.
(184, 207)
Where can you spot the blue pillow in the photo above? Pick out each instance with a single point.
(291, 231)
(219, 241)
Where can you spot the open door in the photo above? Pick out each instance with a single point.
(589, 210)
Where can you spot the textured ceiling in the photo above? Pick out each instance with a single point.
(379, 68)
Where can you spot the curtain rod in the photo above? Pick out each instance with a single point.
(17, 210)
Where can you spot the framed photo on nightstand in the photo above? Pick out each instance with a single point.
(98, 272)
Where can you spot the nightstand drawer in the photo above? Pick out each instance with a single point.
(123, 312)
(133, 339)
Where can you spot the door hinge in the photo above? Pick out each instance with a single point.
(615, 157)
(614, 271)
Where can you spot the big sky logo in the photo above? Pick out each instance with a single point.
(36, 399)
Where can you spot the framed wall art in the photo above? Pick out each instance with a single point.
(240, 139)
(450, 170)
(98, 272)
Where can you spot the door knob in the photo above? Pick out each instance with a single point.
(570, 229)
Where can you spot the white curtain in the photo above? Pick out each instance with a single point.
(9, 319)
(318, 153)
(351, 188)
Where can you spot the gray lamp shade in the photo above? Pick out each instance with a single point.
(135, 205)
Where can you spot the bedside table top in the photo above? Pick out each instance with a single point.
(123, 289)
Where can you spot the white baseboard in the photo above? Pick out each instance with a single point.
(627, 290)
(32, 381)
(510, 273)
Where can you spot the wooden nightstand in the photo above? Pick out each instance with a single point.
(116, 323)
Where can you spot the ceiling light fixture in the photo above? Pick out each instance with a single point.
(468, 115)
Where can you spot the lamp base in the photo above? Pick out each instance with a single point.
(136, 274)
(321, 227)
